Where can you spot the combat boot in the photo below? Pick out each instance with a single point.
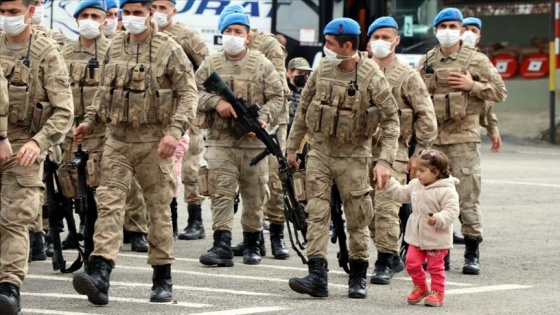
(10, 303)
(386, 266)
(49, 247)
(316, 283)
(173, 207)
(240, 247)
(96, 284)
(277, 244)
(458, 239)
(195, 228)
(358, 278)
(251, 252)
(220, 254)
(138, 242)
(162, 288)
(37, 247)
(472, 264)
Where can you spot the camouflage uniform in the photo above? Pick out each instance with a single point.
(488, 119)
(343, 157)
(58, 37)
(254, 79)
(137, 104)
(22, 187)
(417, 117)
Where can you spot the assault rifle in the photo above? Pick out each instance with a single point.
(247, 121)
(338, 235)
(57, 208)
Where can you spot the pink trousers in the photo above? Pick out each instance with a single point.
(416, 257)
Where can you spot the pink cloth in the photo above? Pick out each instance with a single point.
(181, 150)
(415, 257)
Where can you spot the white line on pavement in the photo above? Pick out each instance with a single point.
(241, 311)
(519, 183)
(38, 311)
(459, 284)
(490, 288)
(115, 299)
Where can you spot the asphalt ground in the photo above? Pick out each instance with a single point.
(519, 258)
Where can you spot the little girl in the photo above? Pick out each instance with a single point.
(429, 231)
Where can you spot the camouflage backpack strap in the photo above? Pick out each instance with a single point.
(69, 51)
(366, 71)
(39, 49)
(259, 41)
(398, 75)
(102, 49)
(161, 44)
(215, 63)
(465, 57)
(326, 67)
(253, 62)
(117, 45)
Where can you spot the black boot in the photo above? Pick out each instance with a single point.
(36, 247)
(447, 261)
(10, 303)
(138, 242)
(173, 207)
(49, 247)
(240, 247)
(162, 288)
(195, 228)
(316, 283)
(277, 244)
(386, 266)
(220, 254)
(458, 239)
(252, 242)
(358, 278)
(472, 264)
(96, 284)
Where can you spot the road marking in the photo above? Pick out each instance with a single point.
(459, 284)
(519, 183)
(38, 311)
(490, 288)
(241, 311)
(116, 299)
(175, 287)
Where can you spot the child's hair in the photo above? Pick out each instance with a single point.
(436, 160)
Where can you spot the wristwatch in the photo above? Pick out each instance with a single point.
(2, 138)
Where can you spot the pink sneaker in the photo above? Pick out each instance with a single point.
(435, 299)
(418, 293)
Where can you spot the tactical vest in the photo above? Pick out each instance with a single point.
(334, 112)
(130, 92)
(260, 40)
(182, 35)
(448, 103)
(406, 114)
(83, 84)
(29, 106)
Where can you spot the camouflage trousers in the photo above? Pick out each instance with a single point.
(21, 189)
(190, 167)
(465, 165)
(351, 176)
(136, 214)
(120, 163)
(274, 208)
(385, 227)
(228, 169)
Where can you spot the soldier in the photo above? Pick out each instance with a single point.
(296, 75)
(85, 58)
(488, 119)
(148, 100)
(110, 28)
(466, 80)
(196, 50)
(37, 20)
(417, 117)
(344, 102)
(269, 46)
(252, 77)
(38, 116)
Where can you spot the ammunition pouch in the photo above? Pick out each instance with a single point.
(406, 117)
(203, 187)
(94, 169)
(299, 186)
(68, 179)
(41, 113)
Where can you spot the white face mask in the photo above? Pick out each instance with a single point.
(134, 24)
(161, 19)
(110, 28)
(447, 37)
(14, 25)
(332, 56)
(89, 28)
(381, 48)
(233, 45)
(469, 38)
(38, 16)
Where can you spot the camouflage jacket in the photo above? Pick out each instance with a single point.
(192, 43)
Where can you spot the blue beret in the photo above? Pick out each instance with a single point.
(112, 4)
(473, 21)
(342, 26)
(229, 9)
(234, 18)
(382, 22)
(85, 4)
(123, 2)
(448, 14)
